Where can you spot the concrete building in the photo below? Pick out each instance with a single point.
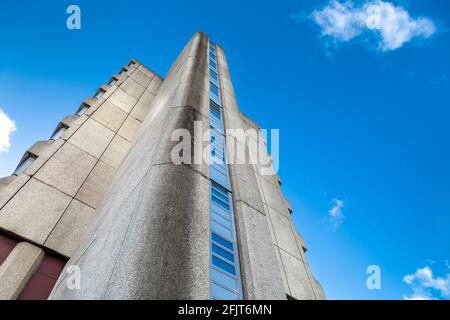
(104, 195)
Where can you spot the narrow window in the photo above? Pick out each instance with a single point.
(58, 132)
(24, 164)
(223, 265)
(82, 109)
(113, 82)
(213, 75)
(225, 274)
(222, 241)
(99, 94)
(214, 89)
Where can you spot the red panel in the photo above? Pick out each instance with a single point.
(51, 267)
(43, 280)
(6, 246)
(38, 288)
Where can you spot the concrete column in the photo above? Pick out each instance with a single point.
(150, 238)
(18, 268)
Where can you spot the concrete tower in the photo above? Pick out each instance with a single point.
(104, 201)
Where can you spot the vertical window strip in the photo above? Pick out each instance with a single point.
(225, 271)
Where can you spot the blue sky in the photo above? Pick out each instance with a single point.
(363, 112)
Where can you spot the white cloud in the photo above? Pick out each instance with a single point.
(418, 296)
(392, 24)
(423, 281)
(7, 127)
(335, 214)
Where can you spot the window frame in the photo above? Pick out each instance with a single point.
(25, 163)
(100, 92)
(82, 109)
(58, 132)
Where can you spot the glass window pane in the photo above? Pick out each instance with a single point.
(220, 202)
(219, 195)
(58, 133)
(219, 187)
(223, 253)
(216, 173)
(214, 89)
(221, 220)
(23, 166)
(213, 75)
(223, 279)
(213, 104)
(221, 211)
(221, 230)
(82, 110)
(221, 293)
(223, 265)
(99, 94)
(222, 241)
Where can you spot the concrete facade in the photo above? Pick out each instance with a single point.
(106, 197)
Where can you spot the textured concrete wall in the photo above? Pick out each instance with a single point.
(53, 201)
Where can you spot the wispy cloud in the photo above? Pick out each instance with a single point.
(392, 25)
(423, 284)
(335, 214)
(7, 127)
